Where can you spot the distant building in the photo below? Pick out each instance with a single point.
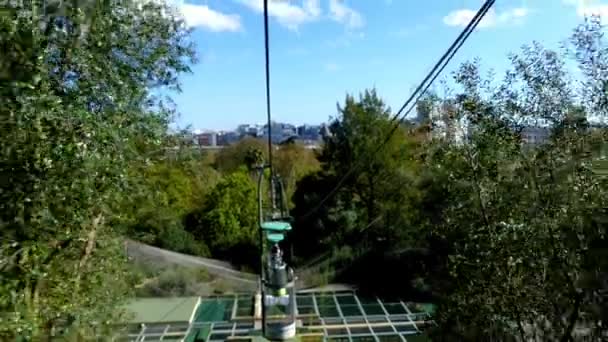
(243, 129)
(250, 130)
(279, 132)
(227, 138)
(207, 139)
(256, 131)
(535, 135)
(309, 132)
(308, 135)
(289, 130)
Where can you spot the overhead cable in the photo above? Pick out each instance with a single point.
(268, 113)
(415, 96)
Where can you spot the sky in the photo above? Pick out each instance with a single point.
(321, 50)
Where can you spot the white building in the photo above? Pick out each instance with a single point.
(533, 135)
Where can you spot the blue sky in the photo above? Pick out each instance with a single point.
(322, 49)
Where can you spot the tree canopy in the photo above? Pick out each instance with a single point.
(377, 173)
(520, 225)
(78, 105)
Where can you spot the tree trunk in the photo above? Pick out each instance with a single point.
(88, 249)
(370, 200)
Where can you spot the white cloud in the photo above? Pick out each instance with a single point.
(462, 17)
(286, 13)
(343, 14)
(313, 7)
(200, 15)
(587, 8)
(599, 10)
(513, 15)
(205, 17)
(294, 13)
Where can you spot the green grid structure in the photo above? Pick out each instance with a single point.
(323, 316)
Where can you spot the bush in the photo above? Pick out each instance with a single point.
(175, 238)
(176, 282)
(229, 218)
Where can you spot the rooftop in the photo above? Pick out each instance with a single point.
(162, 310)
(324, 316)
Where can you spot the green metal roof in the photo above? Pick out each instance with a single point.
(161, 310)
(325, 317)
(276, 225)
(600, 167)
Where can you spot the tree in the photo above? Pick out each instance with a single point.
(317, 232)
(254, 157)
(77, 107)
(520, 227)
(292, 162)
(377, 159)
(228, 223)
(356, 139)
(240, 154)
(168, 191)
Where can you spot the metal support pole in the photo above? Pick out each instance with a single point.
(261, 236)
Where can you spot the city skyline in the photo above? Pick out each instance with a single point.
(279, 132)
(198, 130)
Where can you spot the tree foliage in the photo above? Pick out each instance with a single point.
(76, 108)
(227, 223)
(511, 233)
(291, 163)
(521, 227)
(168, 190)
(244, 153)
(364, 208)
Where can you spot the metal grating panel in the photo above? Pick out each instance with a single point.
(342, 316)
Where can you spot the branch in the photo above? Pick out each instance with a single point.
(478, 188)
(6, 264)
(57, 247)
(579, 297)
(88, 250)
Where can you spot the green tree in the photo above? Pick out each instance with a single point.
(240, 154)
(372, 204)
(169, 187)
(521, 226)
(356, 136)
(292, 162)
(254, 157)
(77, 107)
(228, 223)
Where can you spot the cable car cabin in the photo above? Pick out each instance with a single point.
(278, 286)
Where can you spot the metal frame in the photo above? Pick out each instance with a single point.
(340, 326)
